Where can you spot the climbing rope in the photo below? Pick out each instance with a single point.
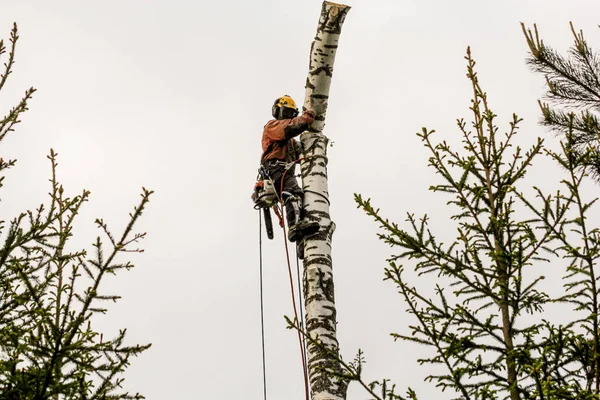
(279, 212)
(262, 313)
(300, 302)
(287, 255)
(301, 312)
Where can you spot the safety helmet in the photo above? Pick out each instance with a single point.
(282, 103)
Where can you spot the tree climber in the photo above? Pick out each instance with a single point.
(279, 149)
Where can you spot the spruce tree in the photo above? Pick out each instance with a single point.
(487, 330)
(50, 292)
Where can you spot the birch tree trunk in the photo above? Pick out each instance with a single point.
(318, 273)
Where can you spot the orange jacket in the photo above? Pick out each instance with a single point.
(278, 132)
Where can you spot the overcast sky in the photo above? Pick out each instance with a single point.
(173, 95)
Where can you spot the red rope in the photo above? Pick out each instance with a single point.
(279, 215)
(287, 255)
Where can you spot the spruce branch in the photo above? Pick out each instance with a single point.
(477, 324)
(573, 92)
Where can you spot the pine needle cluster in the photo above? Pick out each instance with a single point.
(50, 294)
(573, 92)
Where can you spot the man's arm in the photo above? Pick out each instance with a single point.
(296, 126)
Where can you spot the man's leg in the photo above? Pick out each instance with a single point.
(297, 225)
(290, 194)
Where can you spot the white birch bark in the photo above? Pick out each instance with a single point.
(318, 273)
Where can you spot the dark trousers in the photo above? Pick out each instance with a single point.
(276, 172)
(291, 194)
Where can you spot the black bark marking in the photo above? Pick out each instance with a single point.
(323, 174)
(320, 361)
(319, 261)
(313, 143)
(325, 68)
(325, 322)
(332, 309)
(311, 160)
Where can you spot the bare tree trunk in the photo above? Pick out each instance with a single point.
(318, 273)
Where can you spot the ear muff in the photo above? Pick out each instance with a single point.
(284, 107)
(288, 113)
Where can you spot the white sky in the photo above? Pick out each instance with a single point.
(173, 96)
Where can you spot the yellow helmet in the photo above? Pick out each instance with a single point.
(284, 103)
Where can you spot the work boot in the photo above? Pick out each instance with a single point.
(298, 229)
(302, 229)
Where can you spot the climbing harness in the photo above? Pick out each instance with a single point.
(265, 196)
(259, 196)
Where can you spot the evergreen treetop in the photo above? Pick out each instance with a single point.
(50, 294)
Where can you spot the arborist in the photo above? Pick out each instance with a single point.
(280, 154)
